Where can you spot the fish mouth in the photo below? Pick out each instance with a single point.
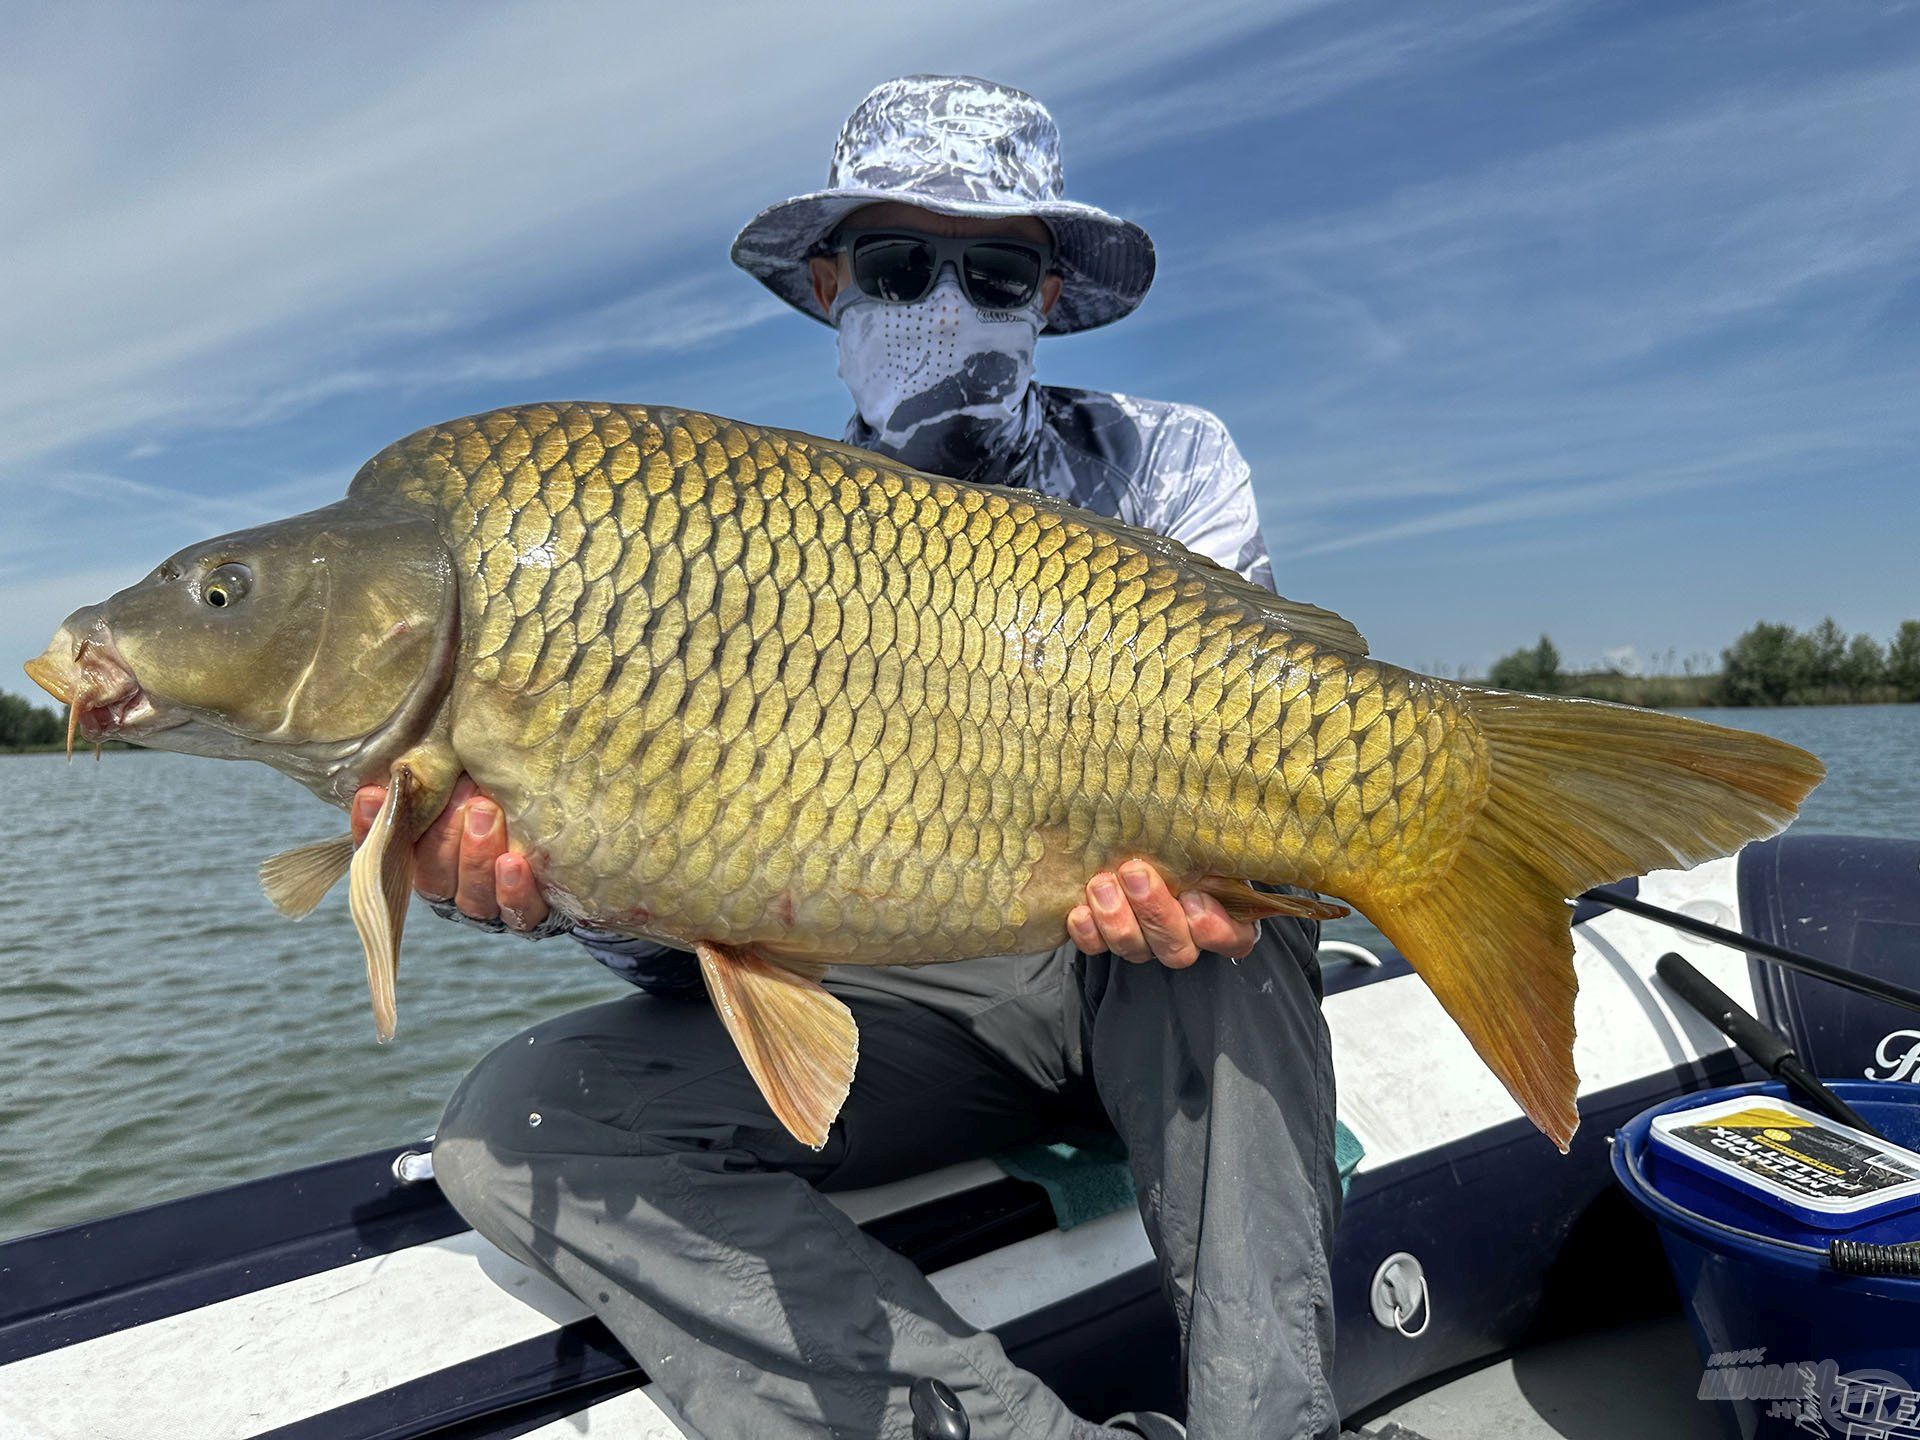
(90, 676)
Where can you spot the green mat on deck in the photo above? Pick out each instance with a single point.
(1088, 1178)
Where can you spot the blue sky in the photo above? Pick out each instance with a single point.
(1597, 319)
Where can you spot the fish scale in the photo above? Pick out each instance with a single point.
(784, 703)
(681, 619)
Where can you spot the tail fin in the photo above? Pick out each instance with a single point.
(1579, 793)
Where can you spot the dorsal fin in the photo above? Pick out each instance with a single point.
(1309, 622)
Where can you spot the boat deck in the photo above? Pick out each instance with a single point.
(1639, 1379)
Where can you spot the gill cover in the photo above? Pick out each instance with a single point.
(315, 630)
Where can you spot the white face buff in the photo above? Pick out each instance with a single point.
(940, 384)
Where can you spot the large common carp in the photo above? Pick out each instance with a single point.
(783, 703)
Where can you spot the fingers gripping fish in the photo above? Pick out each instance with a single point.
(782, 703)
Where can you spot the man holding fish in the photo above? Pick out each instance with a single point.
(814, 714)
(938, 296)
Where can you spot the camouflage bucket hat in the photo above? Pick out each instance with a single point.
(960, 146)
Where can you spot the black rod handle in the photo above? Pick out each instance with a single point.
(1767, 1050)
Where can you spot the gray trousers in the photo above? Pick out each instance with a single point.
(623, 1151)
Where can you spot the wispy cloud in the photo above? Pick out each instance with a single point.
(687, 315)
(260, 191)
(1694, 222)
(1592, 326)
(1561, 498)
(675, 319)
(1310, 53)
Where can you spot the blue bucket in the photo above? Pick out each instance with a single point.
(1792, 1347)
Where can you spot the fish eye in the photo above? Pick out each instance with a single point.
(226, 586)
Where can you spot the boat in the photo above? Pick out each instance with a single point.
(1483, 1282)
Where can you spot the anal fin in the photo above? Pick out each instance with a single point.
(380, 877)
(799, 1042)
(1243, 902)
(297, 880)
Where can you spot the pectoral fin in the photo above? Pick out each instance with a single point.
(1243, 902)
(799, 1042)
(380, 876)
(297, 880)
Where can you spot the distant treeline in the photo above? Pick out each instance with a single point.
(25, 726)
(1769, 665)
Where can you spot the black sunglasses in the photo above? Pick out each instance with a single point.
(901, 266)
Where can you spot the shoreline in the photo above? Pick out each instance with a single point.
(1625, 695)
(59, 748)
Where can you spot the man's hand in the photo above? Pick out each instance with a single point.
(464, 857)
(1134, 915)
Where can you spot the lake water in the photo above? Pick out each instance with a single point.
(166, 1032)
